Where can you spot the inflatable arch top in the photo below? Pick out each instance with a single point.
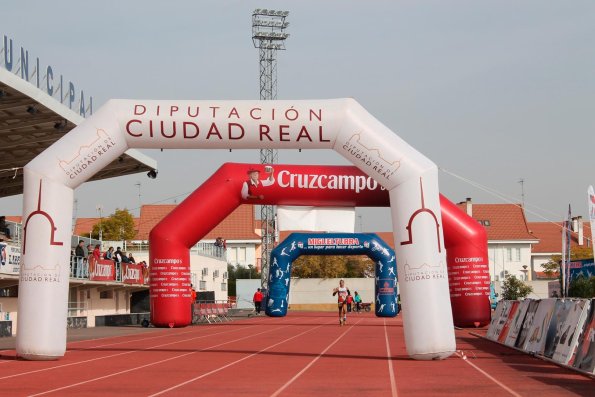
(341, 125)
(298, 244)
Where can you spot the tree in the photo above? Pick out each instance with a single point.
(332, 266)
(513, 288)
(582, 287)
(552, 267)
(118, 226)
(238, 272)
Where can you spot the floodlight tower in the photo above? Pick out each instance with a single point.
(268, 35)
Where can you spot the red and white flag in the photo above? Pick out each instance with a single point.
(591, 195)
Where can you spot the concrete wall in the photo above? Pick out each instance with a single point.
(311, 293)
(245, 289)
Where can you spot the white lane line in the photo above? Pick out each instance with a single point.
(120, 354)
(153, 363)
(313, 361)
(502, 385)
(393, 384)
(234, 362)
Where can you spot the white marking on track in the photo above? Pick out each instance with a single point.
(490, 377)
(120, 354)
(289, 382)
(150, 364)
(234, 362)
(393, 384)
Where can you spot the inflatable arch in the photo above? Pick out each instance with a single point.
(170, 240)
(298, 244)
(342, 125)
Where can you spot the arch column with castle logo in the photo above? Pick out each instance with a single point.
(342, 125)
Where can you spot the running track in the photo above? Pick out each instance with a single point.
(303, 354)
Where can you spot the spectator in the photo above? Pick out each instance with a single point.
(220, 242)
(109, 254)
(349, 302)
(125, 258)
(131, 258)
(4, 227)
(358, 302)
(257, 299)
(117, 256)
(79, 254)
(94, 258)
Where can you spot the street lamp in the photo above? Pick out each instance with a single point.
(250, 274)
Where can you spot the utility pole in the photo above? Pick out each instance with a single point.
(99, 209)
(138, 185)
(268, 35)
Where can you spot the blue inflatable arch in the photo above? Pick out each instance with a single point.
(298, 244)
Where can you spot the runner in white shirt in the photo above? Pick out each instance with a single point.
(342, 293)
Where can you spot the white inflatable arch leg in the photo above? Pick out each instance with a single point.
(342, 125)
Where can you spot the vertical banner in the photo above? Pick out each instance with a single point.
(565, 253)
(591, 195)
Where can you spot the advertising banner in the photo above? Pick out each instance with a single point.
(585, 268)
(10, 258)
(132, 273)
(513, 307)
(527, 324)
(491, 334)
(517, 322)
(554, 331)
(584, 355)
(102, 270)
(499, 319)
(570, 331)
(535, 342)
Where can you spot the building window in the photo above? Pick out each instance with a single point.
(509, 254)
(223, 286)
(242, 254)
(106, 294)
(517, 254)
(202, 285)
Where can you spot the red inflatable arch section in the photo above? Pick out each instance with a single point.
(300, 185)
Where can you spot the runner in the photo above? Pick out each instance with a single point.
(342, 298)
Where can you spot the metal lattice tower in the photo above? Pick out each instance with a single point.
(268, 35)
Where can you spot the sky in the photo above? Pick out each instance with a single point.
(493, 91)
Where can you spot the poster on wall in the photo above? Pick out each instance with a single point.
(517, 322)
(10, 258)
(527, 324)
(584, 355)
(535, 342)
(571, 330)
(512, 309)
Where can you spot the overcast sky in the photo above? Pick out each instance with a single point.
(491, 91)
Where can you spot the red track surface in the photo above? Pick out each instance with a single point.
(303, 354)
